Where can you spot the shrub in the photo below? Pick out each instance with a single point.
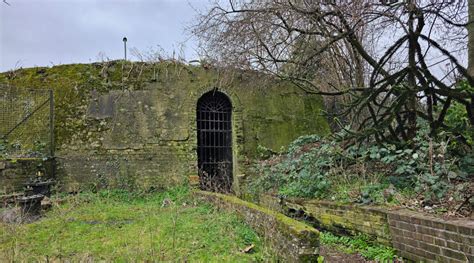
(314, 167)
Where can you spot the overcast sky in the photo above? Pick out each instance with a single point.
(51, 32)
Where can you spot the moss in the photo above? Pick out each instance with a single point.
(281, 115)
(297, 227)
(276, 112)
(154, 113)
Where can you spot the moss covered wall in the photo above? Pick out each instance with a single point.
(15, 173)
(137, 128)
(293, 241)
(416, 236)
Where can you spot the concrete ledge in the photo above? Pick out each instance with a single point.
(292, 240)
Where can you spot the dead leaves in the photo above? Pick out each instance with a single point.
(248, 249)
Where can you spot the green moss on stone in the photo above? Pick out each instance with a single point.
(155, 109)
(297, 227)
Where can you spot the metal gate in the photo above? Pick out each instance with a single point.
(26, 122)
(214, 137)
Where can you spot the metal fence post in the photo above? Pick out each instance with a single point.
(51, 122)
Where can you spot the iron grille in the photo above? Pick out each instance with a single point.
(214, 128)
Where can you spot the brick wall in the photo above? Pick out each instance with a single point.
(416, 236)
(419, 237)
(346, 219)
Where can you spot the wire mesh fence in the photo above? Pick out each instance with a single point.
(26, 123)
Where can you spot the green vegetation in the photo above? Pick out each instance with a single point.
(423, 174)
(276, 112)
(358, 244)
(74, 84)
(294, 226)
(123, 226)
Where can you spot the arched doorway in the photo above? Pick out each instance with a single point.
(214, 138)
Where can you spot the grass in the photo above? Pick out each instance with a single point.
(119, 226)
(358, 244)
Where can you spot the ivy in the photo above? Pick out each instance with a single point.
(315, 167)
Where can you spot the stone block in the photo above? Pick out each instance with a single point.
(393, 216)
(430, 248)
(412, 242)
(440, 242)
(430, 256)
(451, 227)
(405, 218)
(438, 225)
(453, 237)
(412, 256)
(425, 230)
(452, 245)
(453, 254)
(398, 246)
(415, 251)
(407, 226)
(466, 248)
(468, 231)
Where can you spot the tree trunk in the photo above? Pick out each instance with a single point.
(470, 33)
(470, 54)
(411, 104)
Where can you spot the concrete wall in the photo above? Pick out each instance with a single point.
(139, 131)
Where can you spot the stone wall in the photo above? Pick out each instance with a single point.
(14, 173)
(414, 235)
(136, 127)
(292, 240)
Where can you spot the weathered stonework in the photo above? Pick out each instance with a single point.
(139, 131)
(292, 240)
(416, 236)
(346, 219)
(14, 173)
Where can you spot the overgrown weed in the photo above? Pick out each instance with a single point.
(424, 175)
(359, 244)
(115, 225)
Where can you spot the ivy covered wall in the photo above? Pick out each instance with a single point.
(133, 125)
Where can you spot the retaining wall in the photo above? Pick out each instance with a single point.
(414, 235)
(426, 238)
(292, 240)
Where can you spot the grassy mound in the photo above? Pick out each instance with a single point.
(119, 226)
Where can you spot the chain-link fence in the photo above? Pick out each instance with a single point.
(26, 123)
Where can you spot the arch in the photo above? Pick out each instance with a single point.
(214, 141)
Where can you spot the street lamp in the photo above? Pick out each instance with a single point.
(125, 47)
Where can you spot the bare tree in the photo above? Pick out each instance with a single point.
(397, 61)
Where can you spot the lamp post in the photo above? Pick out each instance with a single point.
(125, 47)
